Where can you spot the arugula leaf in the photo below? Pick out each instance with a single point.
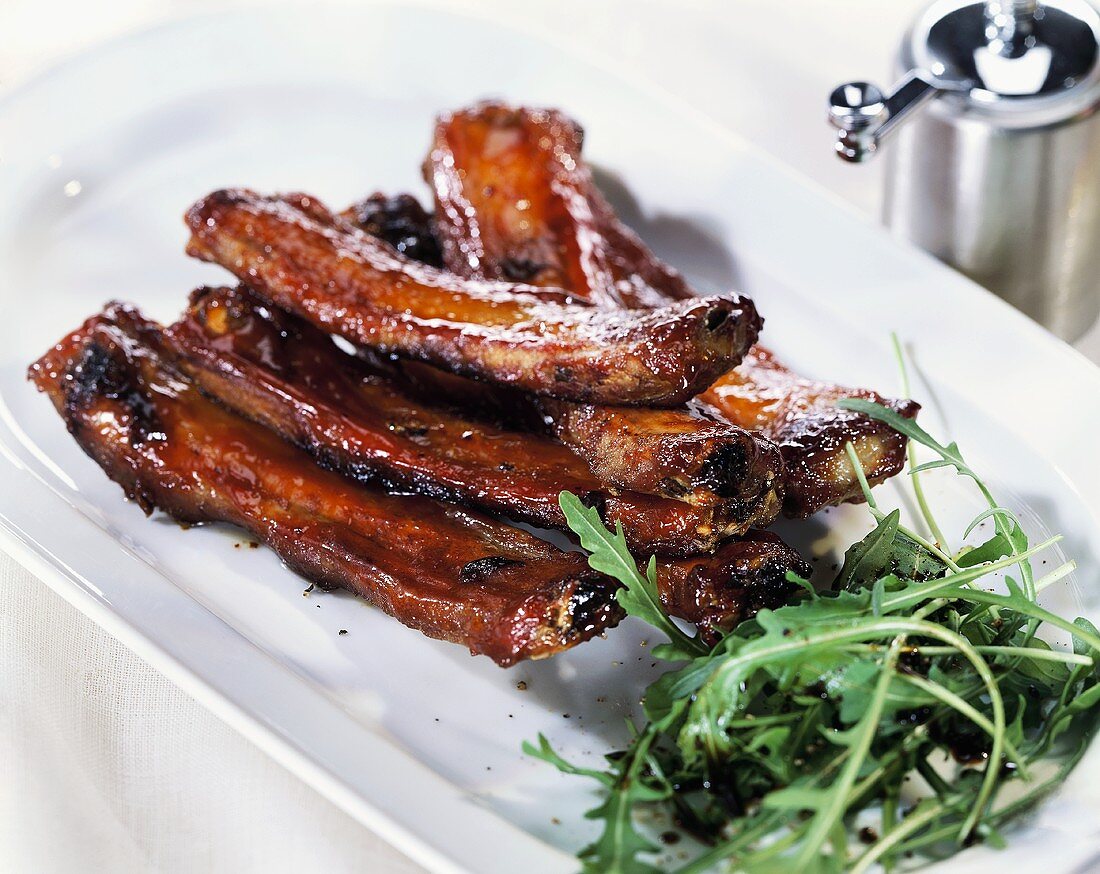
(831, 812)
(617, 849)
(1008, 526)
(546, 752)
(887, 550)
(866, 559)
(996, 547)
(810, 718)
(906, 426)
(608, 554)
(910, 560)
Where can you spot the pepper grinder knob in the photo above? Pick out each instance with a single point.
(863, 115)
(1010, 26)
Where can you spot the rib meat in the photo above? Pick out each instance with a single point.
(716, 592)
(689, 454)
(447, 571)
(441, 569)
(801, 415)
(365, 420)
(515, 199)
(293, 252)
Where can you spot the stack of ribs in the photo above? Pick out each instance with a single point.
(387, 393)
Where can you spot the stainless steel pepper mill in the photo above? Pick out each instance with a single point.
(996, 169)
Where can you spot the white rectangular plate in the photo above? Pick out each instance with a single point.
(420, 741)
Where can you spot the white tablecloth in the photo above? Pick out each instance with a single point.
(107, 766)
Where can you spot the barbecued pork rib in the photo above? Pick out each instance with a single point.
(716, 592)
(688, 454)
(802, 417)
(367, 422)
(294, 253)
(515, 199)
(442, 569)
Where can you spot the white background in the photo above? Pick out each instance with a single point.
(104, 765)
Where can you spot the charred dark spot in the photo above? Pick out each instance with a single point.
(716, 317)
(401, 222)
(725, 470)
(768, 587)
(96, 374)
(335, 460)
(223, 198)
(477, 570)
(590, 605)
(145, 500)
(506, 467)
(99, 374)
(520, 269)
(563, 374)
(737, 590)
(407, 430)
(670, 487)
(228, 197)
(595, 501)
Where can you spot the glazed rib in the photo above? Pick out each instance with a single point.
(365, 421)
(686, 454)
(446, 571)
(801, 416)
(515, 199)
(293, 252)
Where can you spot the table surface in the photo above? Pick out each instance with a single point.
(110, 767)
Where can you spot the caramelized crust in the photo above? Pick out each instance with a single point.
(401, 222)
(744, 576)
(515, 198)
(292, 251)
(446, 571)
(802, 417)
(368, 422)
(689, 455)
